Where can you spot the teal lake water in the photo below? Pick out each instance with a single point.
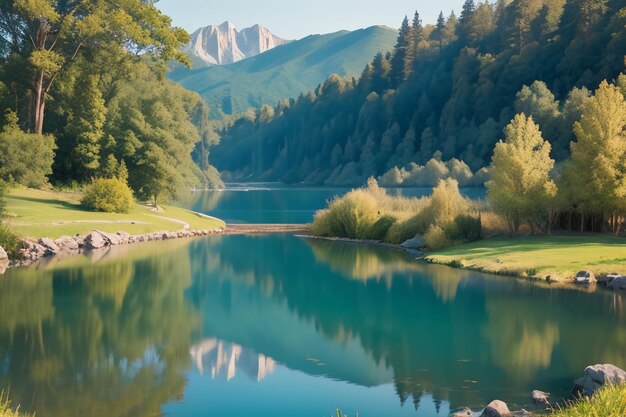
(281, 204)
(283, 326)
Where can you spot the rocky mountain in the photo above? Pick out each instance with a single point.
(282, 72)
(224, 44)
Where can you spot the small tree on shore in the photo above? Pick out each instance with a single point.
(594, 179)
(521, 188)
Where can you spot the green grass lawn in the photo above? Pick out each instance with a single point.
(36, 213)
(559, 257)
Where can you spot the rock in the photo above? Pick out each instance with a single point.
(416, 243)
(540, 397)
(4, 260)
(66, 243)
(496, 408)
(597, 376)
(462, 412)
(618, 283)
(95, 240)
(111, 238)
(124, 237)
(51, 247)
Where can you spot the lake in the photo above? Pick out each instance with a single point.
(281, 204)
(280, 325)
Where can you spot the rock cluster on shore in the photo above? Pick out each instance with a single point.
(595, 377)
(34, 250)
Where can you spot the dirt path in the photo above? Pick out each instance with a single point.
(260, 229)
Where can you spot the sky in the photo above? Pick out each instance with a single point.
(295, 19)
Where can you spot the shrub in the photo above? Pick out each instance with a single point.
(402, 231)
(467, 228)
(436, 238)
(25, 158)
(351, 216)
(379, 230)
(109, 195)
(10, 242)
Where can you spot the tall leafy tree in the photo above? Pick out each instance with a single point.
(595, 177)
(521, 187)
(45, 36)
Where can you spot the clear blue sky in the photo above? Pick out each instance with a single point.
(294, 19)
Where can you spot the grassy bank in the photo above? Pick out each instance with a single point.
(36, 213)
(559, 257)
(608, 402)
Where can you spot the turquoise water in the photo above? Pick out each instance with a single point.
(281, 326)
(281, 204)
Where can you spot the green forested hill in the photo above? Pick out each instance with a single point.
(284, 71)
(449, 88)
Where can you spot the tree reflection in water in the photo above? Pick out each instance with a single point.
(118, 337)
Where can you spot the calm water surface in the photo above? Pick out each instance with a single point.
(281, 204)
(282, 326)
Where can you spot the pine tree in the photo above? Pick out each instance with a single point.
(380, 74)
(465, 21)
(402, 58)
(439, 31)
(417, 32)
(521, 188)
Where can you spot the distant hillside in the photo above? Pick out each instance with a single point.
(285, 71)
(450, 88)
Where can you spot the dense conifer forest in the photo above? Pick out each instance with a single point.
(448, 89)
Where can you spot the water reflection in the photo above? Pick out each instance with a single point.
(224, 359)
(127, 334)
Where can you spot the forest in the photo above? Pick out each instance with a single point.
(446, 90)
(85, 96)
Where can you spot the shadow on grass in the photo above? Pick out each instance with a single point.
(51, 202)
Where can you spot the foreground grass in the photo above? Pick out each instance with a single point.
(559, 257)
(5, 407)
(608, 402)
(36, 213)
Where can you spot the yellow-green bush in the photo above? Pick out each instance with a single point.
(436, 238)
(371, 213)
(109, 195)
(351, 216)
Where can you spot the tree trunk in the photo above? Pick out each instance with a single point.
(582, 222)
(40, 103)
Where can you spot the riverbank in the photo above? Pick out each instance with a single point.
(36, 213)
(554, 258)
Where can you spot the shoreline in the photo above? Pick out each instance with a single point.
(36, 250)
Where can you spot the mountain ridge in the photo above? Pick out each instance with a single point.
(224, 44)
(285, 71)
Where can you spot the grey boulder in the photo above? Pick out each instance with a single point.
(496, 408)
(4, 260)
(66, 243)
(95, 240)
(51, 247)
(618, 283)
(416, 243)
(596, 377)
(540, 397)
